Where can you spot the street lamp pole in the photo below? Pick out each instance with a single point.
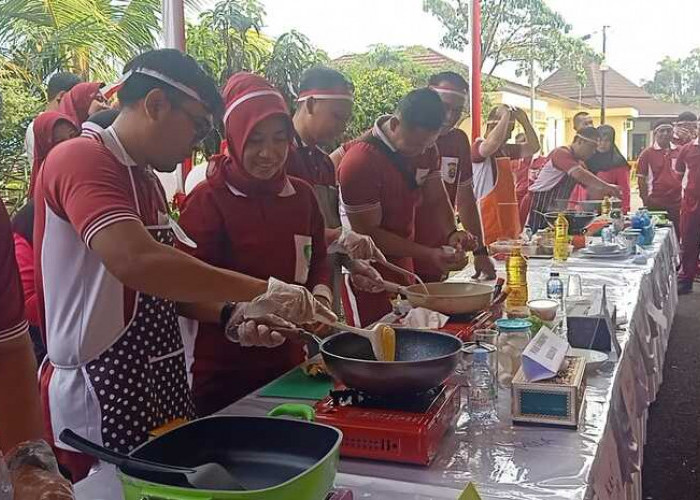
(476, 68)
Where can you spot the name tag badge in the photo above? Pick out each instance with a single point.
(449, 166)
(421, 174)
(303, 246)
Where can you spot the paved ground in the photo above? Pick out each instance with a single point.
(671, 454)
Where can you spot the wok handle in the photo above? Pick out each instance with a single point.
(296, 410)
(149, 492)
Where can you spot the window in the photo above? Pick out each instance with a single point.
(639, 143)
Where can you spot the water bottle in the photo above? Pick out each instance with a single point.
(6, 490)
(482, 386)
(555, 289)
(516, 279)
(561, 238)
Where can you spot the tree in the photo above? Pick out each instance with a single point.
(514, 31)
(677, 80)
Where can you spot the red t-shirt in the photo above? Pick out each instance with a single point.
(85, 186)
(311, 164)
(658, 167)
(12, 322)
(369, 180)
(560, 163)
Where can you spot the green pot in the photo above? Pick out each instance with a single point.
(313, 484)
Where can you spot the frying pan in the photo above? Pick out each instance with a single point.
(577, 220)
(424, 359)
(450, 298)
(274, 458)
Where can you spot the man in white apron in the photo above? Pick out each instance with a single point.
(112, 284)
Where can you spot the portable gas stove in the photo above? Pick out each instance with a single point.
(406, 428)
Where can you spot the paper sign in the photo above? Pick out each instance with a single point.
(544, 355)
(470, 493)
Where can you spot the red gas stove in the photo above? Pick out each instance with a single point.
(405, 429)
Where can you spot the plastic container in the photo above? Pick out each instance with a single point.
(481, 393)
(513, 337)
(516, 279)
(555, 289)
(561, 238)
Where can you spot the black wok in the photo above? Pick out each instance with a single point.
(424, 359)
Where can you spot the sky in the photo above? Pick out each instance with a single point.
(640, 33)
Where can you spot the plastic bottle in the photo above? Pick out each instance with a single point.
(605, 207)
(561, 238)
(482, 386)
(555, 289)
(516, 274)
(6, 490)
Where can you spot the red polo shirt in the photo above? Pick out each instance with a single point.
(12, 322)
(689, 161)
(658, 167)
(368, 180)
(310, 163)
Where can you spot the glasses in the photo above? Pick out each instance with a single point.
(202, 126)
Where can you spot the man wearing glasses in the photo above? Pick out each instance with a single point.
(112, 283)
(456, 168)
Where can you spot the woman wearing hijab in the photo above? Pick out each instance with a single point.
(82, 101)
(609, 165)
(50, 129)
(251, 217)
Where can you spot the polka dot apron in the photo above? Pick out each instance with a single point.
(141, 380)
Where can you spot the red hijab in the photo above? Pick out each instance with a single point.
(76, 102)
(249, 99)
(43, 141)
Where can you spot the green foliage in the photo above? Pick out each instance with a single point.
(514, 31)
(677, 80)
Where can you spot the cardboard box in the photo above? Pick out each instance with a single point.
(557, 401)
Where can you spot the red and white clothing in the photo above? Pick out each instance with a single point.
(456, 169)
(115, 367)
(370, 180)
(688, 161)
(12, 322)
(484, 168)
(554, 182)
(657, 166)
(313, 165)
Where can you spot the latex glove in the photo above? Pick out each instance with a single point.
(463, 241)
(365, 277)
(293, 303)
(265, 331)
(35, 473)
(356, 246)
(483, 265)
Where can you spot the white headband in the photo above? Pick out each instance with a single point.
(326, 97)
(244, 98)
(111, 89)
(446, 91)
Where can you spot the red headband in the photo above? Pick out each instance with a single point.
(333, 93)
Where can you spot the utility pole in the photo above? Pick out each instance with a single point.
(476, 68)
(603, 71)
(532, 75)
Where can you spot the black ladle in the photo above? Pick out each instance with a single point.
(209, 476)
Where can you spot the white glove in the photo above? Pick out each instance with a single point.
(365, 277)
(356, 246)
(293, 303)
(266, 331)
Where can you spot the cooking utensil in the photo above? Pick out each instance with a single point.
(401, 270)
(276, 458)
(450, 298)
(577, 220)
(424, 359)
(383, 341)
(206, 476)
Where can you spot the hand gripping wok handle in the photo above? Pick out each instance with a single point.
(94, 450)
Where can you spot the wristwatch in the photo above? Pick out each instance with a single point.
(226, 313)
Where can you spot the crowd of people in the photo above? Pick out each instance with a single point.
(140, 321)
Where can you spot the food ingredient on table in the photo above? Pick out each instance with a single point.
(561, 238)
(516, 273)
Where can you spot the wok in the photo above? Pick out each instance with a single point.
(577, 220)
(450, 298)
(276, 459)
(424, 359)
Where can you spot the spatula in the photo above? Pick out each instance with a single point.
(382, 338)
(209, 476)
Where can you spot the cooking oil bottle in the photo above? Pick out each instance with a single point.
(561, 238)
(605, 207)
(516, 274)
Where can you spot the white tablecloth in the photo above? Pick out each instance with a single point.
(602, 459)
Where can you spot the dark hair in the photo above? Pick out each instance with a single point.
(687, 116)
(104, 118)
(663, 121)
(422, 108)
(61, 82)
(177, 66)
(580, 115)
(23, 222)
(451, 77)
(322, 77)
(589, 133)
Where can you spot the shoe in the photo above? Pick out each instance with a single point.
(685, 287)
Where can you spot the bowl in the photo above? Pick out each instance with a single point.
(603, 248)
(545, 309)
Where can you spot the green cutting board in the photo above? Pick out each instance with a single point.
(297, 385)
